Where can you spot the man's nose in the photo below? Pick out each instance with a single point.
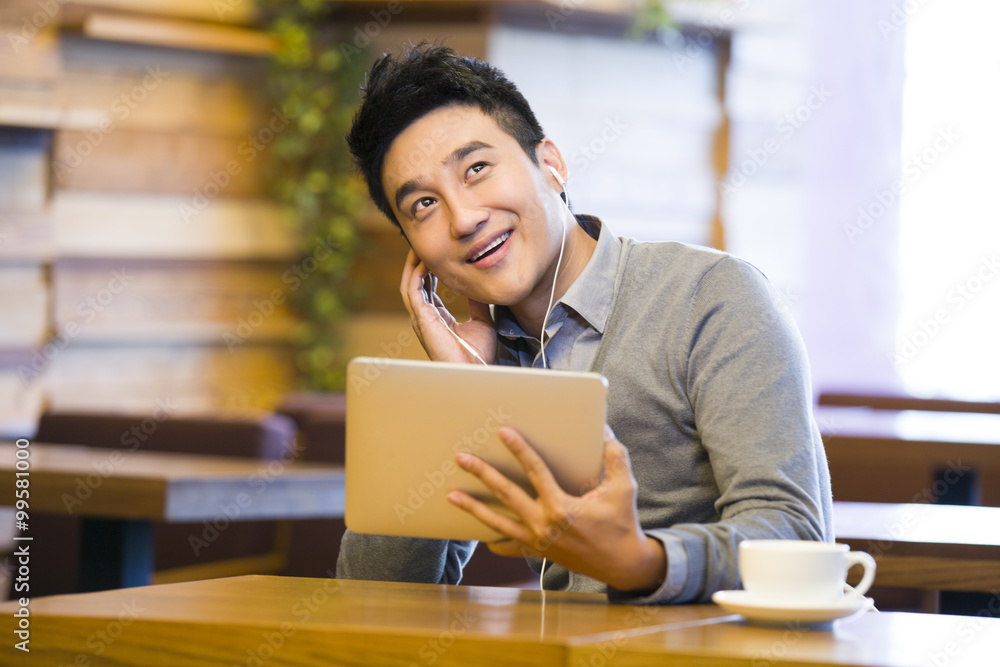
(466, 218)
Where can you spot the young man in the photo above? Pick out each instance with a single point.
(713, 440)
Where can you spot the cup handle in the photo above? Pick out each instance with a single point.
(868, 563)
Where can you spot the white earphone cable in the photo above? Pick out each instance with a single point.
(552, 293)
(468, 348)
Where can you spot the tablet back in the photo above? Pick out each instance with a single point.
(406, 420)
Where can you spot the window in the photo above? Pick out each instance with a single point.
(949, 328)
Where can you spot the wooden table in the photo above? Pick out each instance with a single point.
(893, 457)
(931, 547)
(120, 494)
(276, 621)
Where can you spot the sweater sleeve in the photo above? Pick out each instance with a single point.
(749, 388)
(404, 559)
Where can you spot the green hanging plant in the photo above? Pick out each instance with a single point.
(315, 84)
(653, 15)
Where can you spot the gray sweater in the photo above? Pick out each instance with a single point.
(709, 390)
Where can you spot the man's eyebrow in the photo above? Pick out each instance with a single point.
(462, 151)
(456, 155)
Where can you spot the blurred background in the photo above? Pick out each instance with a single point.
(180, 229)
(177, 219)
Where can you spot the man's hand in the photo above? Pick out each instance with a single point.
(597, 534)
(431, 320)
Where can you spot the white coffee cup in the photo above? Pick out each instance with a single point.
(798, 573)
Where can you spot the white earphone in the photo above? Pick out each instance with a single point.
(562, 246)
(559, 179)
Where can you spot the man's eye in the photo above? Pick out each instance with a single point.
(422, 203)
(478, 167)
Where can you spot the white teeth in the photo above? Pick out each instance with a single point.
(500, 239)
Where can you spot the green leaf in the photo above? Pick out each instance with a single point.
(310, 170)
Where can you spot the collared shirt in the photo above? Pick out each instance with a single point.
(576, 324)
(573, 335)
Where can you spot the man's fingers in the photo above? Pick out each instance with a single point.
(510, 528)
(410, 281)
(616, 459)
(506, 491)
(422, 311)
(512, 549)
(538, 473)
(409, 266)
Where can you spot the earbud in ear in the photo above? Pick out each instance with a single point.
(559, 178)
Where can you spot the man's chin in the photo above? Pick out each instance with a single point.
(501, 299)
(495, 291)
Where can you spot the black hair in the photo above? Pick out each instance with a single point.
(423, 78)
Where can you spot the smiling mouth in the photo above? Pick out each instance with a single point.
(491, 248)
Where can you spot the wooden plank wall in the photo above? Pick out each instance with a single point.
(139, 256)
(140, 220)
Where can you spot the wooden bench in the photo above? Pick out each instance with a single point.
(929, 547)
(908, 450)
(878, 402)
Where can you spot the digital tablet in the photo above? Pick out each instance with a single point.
(406, 420)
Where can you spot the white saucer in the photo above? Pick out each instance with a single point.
(741, 602)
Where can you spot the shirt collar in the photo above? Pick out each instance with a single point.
(590, 294)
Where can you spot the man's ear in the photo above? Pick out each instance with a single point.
(548, 155)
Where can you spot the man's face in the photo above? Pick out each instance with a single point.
(480, 214)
